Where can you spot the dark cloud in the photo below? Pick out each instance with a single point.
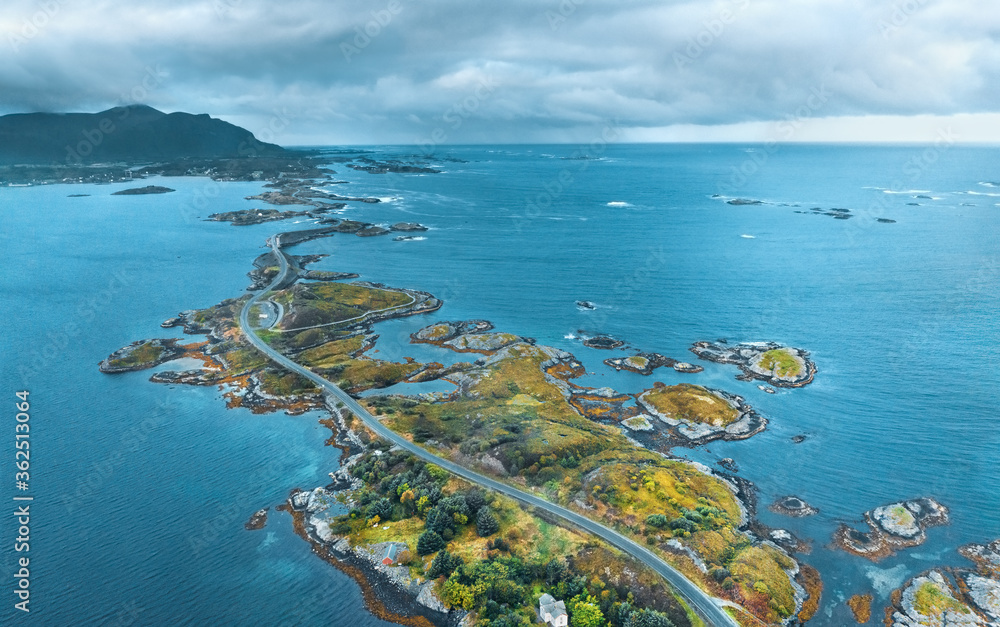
(406, 71)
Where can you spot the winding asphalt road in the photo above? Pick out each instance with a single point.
(707, 607)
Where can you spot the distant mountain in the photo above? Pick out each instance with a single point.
(133, 134)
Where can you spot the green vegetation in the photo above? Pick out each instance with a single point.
(781, 362)
(692, 403)
(901, 516)
(637, 361)
(501, 576)
(931, 600)
(546, 445)
(148, 352)
(325, 303)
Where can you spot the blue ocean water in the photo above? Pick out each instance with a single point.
(898, 316)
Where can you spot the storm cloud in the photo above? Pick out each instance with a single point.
(440, 71)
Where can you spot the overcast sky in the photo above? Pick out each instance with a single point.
(465, 71)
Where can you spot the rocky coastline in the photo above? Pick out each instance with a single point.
(773, 363)
(142, 355)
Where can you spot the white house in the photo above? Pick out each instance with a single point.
(552, 612)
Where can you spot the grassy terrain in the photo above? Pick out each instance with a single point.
(637, 361)
(692, 403)
(146, 353)
(781, 362)
(512, 420)
(901, 516)
(514, 416)
(324, 303)
(931, 600)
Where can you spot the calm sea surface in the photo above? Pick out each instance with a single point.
(142, 489)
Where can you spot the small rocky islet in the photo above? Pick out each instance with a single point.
(143, 191)
(959, 597)
(646, 363)
(892, 527)
(699, 415)
(793, 506)
(773, 363)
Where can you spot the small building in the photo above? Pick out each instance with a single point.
(390, 554)
(552, 612)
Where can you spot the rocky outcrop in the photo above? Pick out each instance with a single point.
(441, 332)
(605, 342)
(249, 217)
(933, 599)
(408, 227)
(141, 191)
(892, 527)
(747, 424)
(257, 521)
(642, 363)
(780, 366)
(793, 506)
(141, 355)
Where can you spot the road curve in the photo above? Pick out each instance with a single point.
(704, 605)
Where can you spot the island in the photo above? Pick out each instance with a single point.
(249, 217)
(892, 527)
(604, 342)
(952, 596)
(793, 506)
(700, 414)
(861, 607)
(777, 365)
(142, 191)
(641, 363)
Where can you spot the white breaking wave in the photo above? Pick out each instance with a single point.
(569, 336)
(745, 236)
(619, 203)
(908, 191)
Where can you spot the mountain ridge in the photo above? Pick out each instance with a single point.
(134, 134)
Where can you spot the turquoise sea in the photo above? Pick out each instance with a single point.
(141, 490)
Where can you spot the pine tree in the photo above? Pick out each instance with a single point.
(486, 523)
